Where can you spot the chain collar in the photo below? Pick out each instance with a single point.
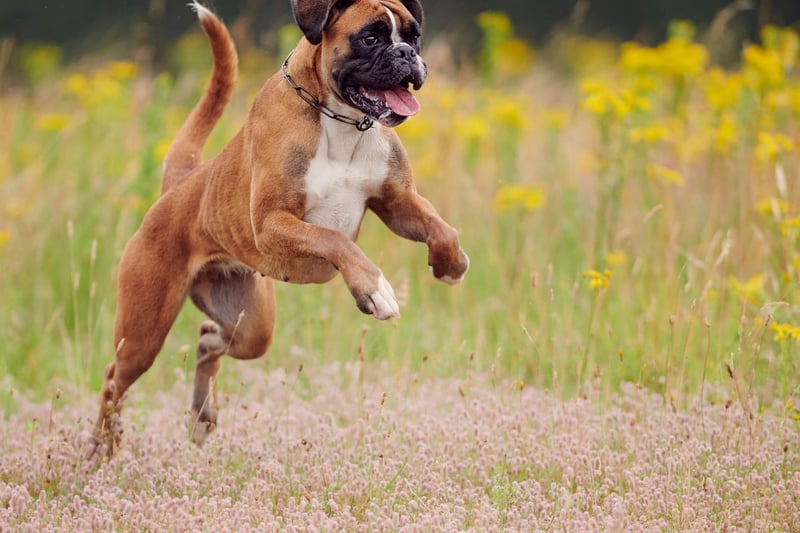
(363, 124)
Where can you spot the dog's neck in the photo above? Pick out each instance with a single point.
(325, 102)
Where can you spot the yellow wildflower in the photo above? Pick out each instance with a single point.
(789, 226)
(679, 57)
(421, 128)
(681, 29)
(527, 197)
(5, 235)
(636, 102)
(665, 174)
(722, 90)
(785, 331)
(793, 411)
(616, 258)
(508, 112)
(583, 54)
(52, 122)
(775, 207)
(472, 127)
(643, 84)
(597, 103)
(598, 280)
(494, 21)
(121, 70)
(39, 60)
(591, 85)
(161, 148)
(771, 145)
(748, 291)
(648, 134)
(794, 100)
(77, 85)
(104, 88)
(725, 136)
(775, 100)
(784, 41)
(635, 58)
(762, 67)
(515, 57)
(104, 84)
(603, 101)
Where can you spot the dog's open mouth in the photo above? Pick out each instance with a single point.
(379, 103)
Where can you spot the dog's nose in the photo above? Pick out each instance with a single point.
(403, 51)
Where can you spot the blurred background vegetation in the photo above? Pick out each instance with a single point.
(150, 26)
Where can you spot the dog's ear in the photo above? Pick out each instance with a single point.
(415, 8)
(313, 16)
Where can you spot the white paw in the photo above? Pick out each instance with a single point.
(385, 301)
(199, 430)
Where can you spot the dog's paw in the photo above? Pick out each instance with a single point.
(382, 304)
(460, 270)
(199, 426)
(90, 446)
(94, 448)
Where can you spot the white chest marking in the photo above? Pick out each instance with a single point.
(348, 168)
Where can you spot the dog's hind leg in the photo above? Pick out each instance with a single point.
(152, 285)
(241, 305)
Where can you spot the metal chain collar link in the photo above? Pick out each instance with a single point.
(363, 124)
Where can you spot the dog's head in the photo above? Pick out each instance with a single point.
(370, 51)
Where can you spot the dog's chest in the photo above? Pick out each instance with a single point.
(347, 169)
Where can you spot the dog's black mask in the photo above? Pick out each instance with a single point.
(384, 63)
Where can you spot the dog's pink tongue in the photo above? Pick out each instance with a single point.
(401, 101)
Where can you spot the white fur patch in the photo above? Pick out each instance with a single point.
(348, 168)
(395, 31)
(202, 11)
(386, 305)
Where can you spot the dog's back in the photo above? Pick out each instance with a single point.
(186, 150)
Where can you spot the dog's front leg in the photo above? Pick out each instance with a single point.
(294, 250)
(413, 217)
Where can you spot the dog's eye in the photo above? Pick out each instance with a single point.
(370, 40)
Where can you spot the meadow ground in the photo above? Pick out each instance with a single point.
(622, 355)
(358, 448)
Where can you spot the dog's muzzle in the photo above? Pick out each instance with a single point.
(380, 87)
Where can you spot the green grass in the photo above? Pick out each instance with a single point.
(80, 164)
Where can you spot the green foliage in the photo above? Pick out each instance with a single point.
(616, 233)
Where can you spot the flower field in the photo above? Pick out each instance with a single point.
(623, 353)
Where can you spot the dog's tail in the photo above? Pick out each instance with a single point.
(186, 150)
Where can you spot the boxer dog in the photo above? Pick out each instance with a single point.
(283, 200)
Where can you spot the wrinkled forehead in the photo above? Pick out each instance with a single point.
(376, 13)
